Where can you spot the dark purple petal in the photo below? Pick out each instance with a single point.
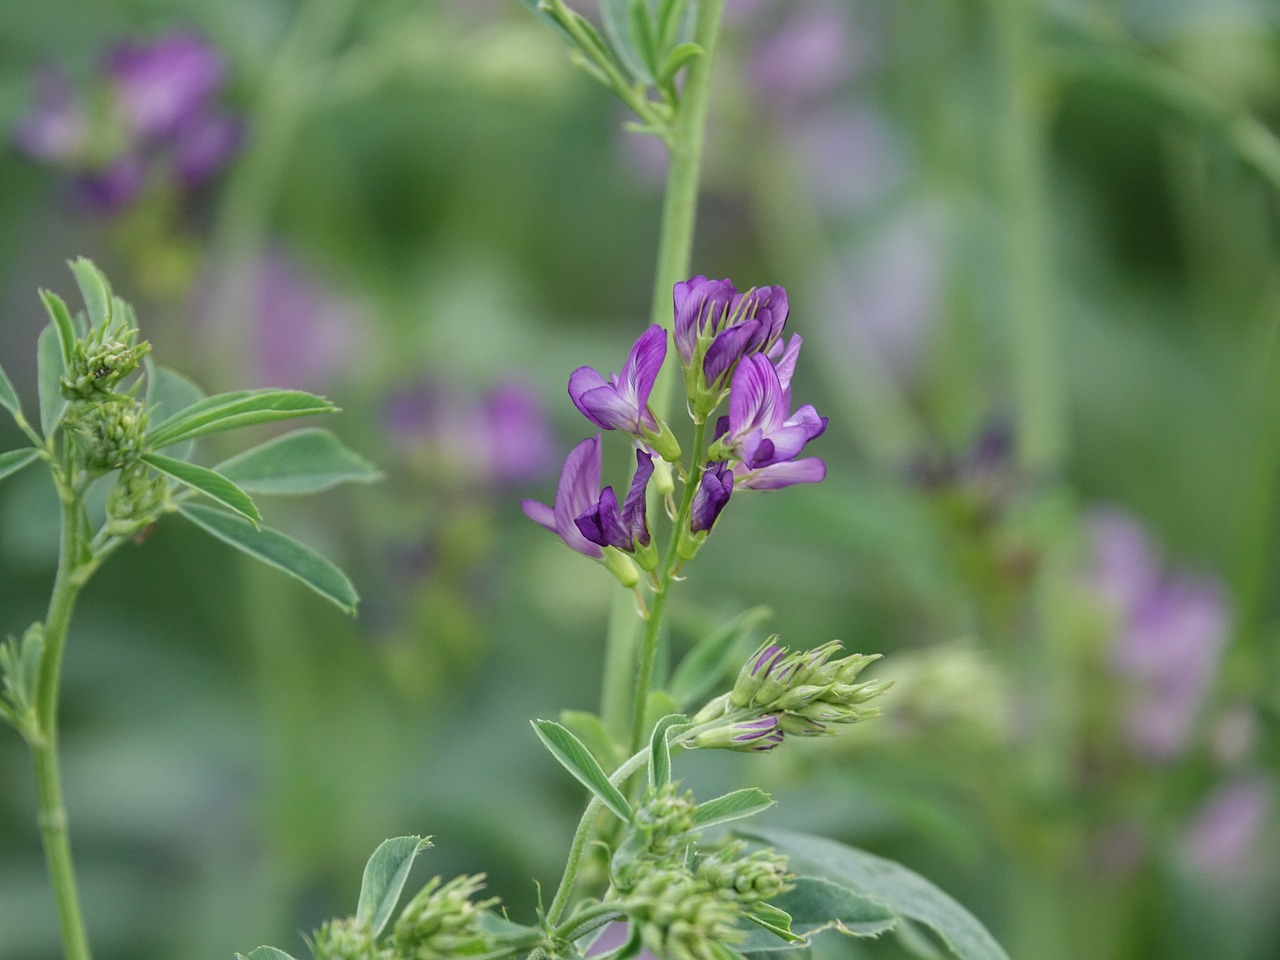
(699, 303)
(112, 188)
(767, 659)
(602, 524)
(711, 496)
(633, 510)
(162, 84)
(779, 475)
(727, 349)
(204, 145)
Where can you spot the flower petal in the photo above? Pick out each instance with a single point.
(779, 475)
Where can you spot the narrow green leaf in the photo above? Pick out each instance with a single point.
(226, 411)
(543, 12)
(643, 34)
(277, 550)
(206, 481)
(814, 905)
(50, 366)
(304, 461)
(95, 290)
(746, 802)
(660, 750)
(14, 460)
(61, 318)
(9, 396)
(708, 662)
(671, 22)
(265, 953)
(616, 14)
(778, 922)
(577, 759)
(590, 729)
(384, 879)
(677, 58)
(890, 884)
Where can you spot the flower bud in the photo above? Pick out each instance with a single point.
(443, 921)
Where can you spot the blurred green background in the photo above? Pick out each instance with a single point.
(1032, 249)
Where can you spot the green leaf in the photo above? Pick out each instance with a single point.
(902, 891)
(660, 750)
(15, 460)
(265, 953)
(577, 759)
(61, 318)
(168, 393)
(708, 662)
(95, 290)
(384, 879)
(9, 396)
(50, 366)
(643, 34)
(226, 411)
(542, 13)
(776, 921)
(746, 802)
(814, 905)
(590, 729)
(677, 58)
(616, 15)
(671, 21)
(305, 461)
(277, 550)
(205, 481)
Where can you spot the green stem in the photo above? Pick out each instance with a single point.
(653, 624)
(44, 741)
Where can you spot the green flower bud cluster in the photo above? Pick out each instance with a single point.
(682, 917)
(658, 837)
(107, 434)
(805, 691)
(102, 359)
(347, 939)
(443, 921)
(139, 497)
(755, 878)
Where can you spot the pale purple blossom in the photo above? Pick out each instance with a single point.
(715, 327)
(204, 145)
(1221, 841)
(626, 527)
(111, 188)
(714, 490)
(622, 401)
(55, 130)
(162, 84)
(1171, 629)
(577, 493)
(810, 55)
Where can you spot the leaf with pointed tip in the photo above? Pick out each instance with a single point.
(890, 884)
(203, 480)
(660, 750)
(9, 396)
(14, 460)
(94, 288)
(644, 34)
(50, 366)
(384, 879)
(616, 15)
(708, 662)
(577, 759)
(590, 729)
(304, 461)
(814, 905)
(277, 550)
(168, 393)
(61, 318)
(265, 953)
(227, 411)
(737, 805)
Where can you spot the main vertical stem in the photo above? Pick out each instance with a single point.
(44, 742)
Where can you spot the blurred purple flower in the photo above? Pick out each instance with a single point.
(55, 130)
(163, 84)
(1222, 840)
(809, 55)
(710, 498)
(112, 188)
(577, 494)
(203, 146)
(519, 437)
(1171, 629)
(627, 528)
(762, 435)
(622, 402)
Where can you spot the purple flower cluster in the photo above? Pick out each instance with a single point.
(730, 346)
(153, 106)
(1170, 633)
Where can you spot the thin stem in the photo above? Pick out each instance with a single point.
(670, 563)
(44, 744)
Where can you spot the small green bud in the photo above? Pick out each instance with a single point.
(100, 361)
(622, 567)
(443, 921)
(139, 497)
(751, 879)
(348, 939)
(106, 433)
(663, 442)
(664, 480)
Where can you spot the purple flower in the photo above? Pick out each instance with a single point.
(1171, 630)
(700, 307)
(161, 85)
(55, 130)
(758, 432)
(715, 327)
(760, 734)
(519, 436)
(204, 144)
(576, 494)
(1222, 840)
(112, 188)
(711, 496)
(627, 528)
(622, 402)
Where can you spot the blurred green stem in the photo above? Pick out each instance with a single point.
(54, 831)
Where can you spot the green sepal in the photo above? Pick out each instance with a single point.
(710, 660)
(304, 461)
(277, 550)
(384, 878)
(737, 805)
(590, 729)
(61, 317)
(882, 882)
(577, 759)
(777, 922)
(50, 366)
(265, 953)
(203, 480)
(241, 408)
(14, 460)
(96, 292)
(9, 397)
(660, 750)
